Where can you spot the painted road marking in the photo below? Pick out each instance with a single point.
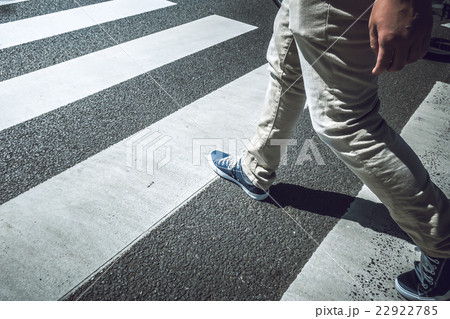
(30, 95)
(352, 249)
(70, 225)
(5, 2)
(44, 26)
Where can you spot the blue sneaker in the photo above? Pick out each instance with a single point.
(229, 167)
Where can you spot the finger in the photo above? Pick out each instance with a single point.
(399, 59)
(384, 59)
(373, 34)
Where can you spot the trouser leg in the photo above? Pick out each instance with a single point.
(336, 61)
(284, 102)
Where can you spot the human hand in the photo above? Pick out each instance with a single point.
(400, 32)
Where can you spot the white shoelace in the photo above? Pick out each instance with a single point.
(425, 270)
(229, 162)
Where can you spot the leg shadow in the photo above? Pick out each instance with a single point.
(365, 212)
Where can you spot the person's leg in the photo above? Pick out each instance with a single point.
(336, 60)
(284, 102)
(254, 172)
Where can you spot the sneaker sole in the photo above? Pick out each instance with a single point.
(413, 297)
(231, 179)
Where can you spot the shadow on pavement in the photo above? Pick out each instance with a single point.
(367, 213)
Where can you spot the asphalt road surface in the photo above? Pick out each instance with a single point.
(107, 110)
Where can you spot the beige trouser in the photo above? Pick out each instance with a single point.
(320, 52)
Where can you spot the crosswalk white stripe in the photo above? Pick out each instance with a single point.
(371, 258)
(5, 2)
(40, 27)
(30, 95)
(70, 225)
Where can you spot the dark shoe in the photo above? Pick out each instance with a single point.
(430, 280)
(230, 168)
